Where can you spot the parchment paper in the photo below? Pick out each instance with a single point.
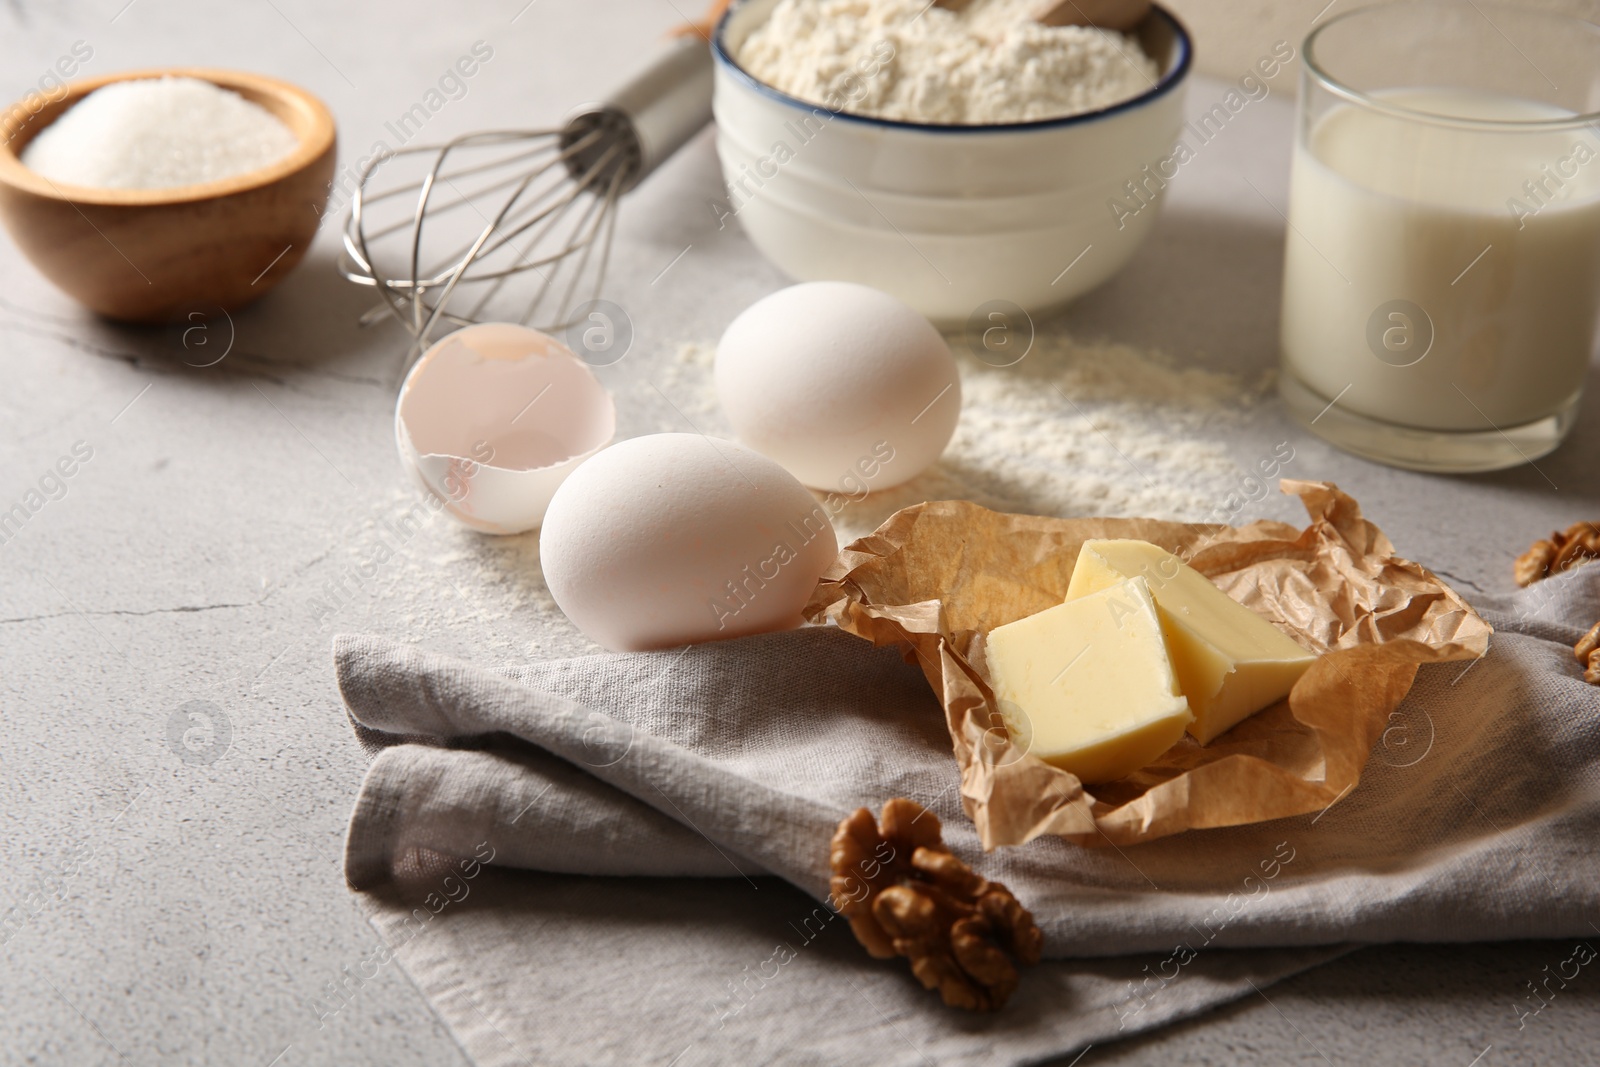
(936, 577)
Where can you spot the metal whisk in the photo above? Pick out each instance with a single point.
(515, 225)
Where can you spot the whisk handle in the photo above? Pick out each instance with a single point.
(658, 109)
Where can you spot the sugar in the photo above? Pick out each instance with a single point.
(157, 133)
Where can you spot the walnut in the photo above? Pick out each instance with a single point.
(1588, 652)
(906, 894)
(1579, 542)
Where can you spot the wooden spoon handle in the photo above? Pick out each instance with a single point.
(1120, 15)
(707, 23)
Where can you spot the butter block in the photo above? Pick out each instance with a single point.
(1230, 661)
(1087, 685)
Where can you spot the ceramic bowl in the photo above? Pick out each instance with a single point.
(948, 218)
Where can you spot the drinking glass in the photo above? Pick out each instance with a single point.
(1441, 290)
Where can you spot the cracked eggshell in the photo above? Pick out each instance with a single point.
(494, 417)
(846, 386)
(674, 538)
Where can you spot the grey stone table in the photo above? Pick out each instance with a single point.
(175, 766)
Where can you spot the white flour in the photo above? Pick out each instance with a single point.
(1074, 429)
(905, 60)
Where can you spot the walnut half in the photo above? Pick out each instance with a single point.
(1565, 549)
(906, 894)
(1588, 652)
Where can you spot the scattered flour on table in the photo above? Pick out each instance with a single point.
(402, 566)
(687, 378)
(905, 60)
(1074, 429)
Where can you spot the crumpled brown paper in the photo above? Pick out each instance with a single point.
(936, 577)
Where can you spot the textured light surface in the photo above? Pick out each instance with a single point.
(193, 556)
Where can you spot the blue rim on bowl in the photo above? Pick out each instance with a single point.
(1165, 84)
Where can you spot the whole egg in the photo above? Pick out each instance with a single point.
(846, 386)
(674, 538)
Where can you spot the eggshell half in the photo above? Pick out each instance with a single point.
(494, 417)
(674, 538)
(849, 388)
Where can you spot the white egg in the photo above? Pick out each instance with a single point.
(847, 387)
(674, 538)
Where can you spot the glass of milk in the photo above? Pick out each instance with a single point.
(1441, 292)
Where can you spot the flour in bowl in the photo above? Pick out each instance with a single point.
(905, 60)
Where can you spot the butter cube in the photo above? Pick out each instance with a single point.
(1087, 685)
(1230, 661)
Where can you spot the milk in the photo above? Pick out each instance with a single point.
(1439, 277)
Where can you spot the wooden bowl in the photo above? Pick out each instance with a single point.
(144, 255)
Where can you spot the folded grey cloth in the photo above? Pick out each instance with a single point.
(729, 762)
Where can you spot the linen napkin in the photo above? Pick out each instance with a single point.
(718, 770)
